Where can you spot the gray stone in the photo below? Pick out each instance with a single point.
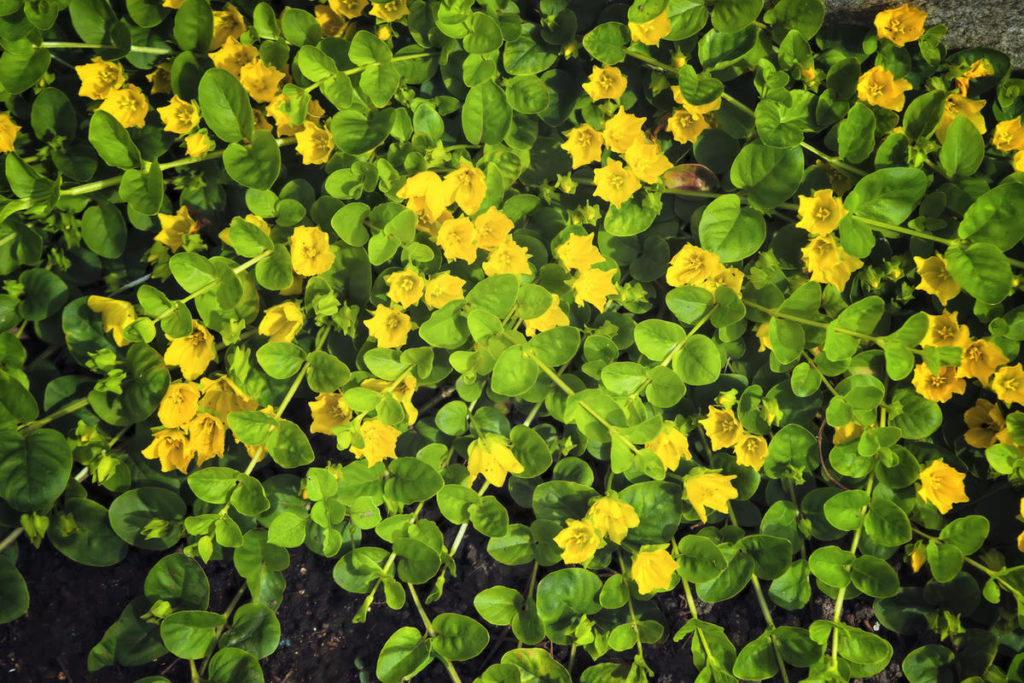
(998, 24)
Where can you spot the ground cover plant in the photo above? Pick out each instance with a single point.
(661, 298)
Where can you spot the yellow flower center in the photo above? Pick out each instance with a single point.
(937, 381)
(310, 251)
(391, 7)
(392, 323)
(875, 89)
(606, 82)
(945, 333)
(822, 214)
(184, 115)
(128, 104)
(973, 353)
(616, 180)
(895, 26)
(197, 340)
(582, 138)
(1010, 383)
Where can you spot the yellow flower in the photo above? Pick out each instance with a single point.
(379, 442)
(179, 404)
(605, 83)
(389, 327)
(206, 437)
(958, 105)
(174, 227)
(405, 287)
(128, 105)
(651, 32)
(613, 518)
(647, 161)
(594, 286)
(847, 432)
(686, 125)
(935, 278)
(8, 132)
(751, 450)
(714, 105)
(456, 239)
(917, 558)
(329, 411)
(1008, 136)
(622, 130)
(228, 23)
(710, 490)
(820, 213)
(314, 144)
(985, 425)
(584, 145)
(692, 265)
(727, 277)
(508, 257)
(426, 192)
(115, 315)
(901, 25)
(939, 388)
(233, 55)
(553, 317)
(980, 360)
(171, 447)
(722, 427)
(828, 263)
(491, 229)
(173, 4)
(653, 570)
(402, 392)
(878, 87)
(262, 82)
(350, 9)
(332, 25)
(490, 456)
(192, 353)
(389, 11)
(764, 342)
(942, 486)
(977, 69)
(579, 252)
(944, 330)
(1008, 383)
(281, 322)
(179, 116)
(160, 79)
(614, 183)
(670, 445)
(222, 397)
(466, 186)
(99, 78)
(197, 144)
(311, 251)
(442, 289)
(579, 540)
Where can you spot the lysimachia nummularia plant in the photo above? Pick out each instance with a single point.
(674, 297)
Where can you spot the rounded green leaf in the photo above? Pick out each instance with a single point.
(730, 230)
(458, 637)
(224, 105)
(190, 634)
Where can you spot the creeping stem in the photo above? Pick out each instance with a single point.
(841, 595)
(431, 632)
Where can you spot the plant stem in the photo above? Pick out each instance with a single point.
(775, 313)
(841, 595)
(220, 629)
(529, 593)
(674, 351)
(693, 613)
(68, 408)
(429, 626)
(142, 49)
(632, 617)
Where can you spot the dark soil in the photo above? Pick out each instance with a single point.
(73, 605)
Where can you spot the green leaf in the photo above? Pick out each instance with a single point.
(190, 634)
(13, 592)
(963, 149)
(193, 26)
(730, 230)
(180, 581)
(698, 88)
(782, 122)
(225, 106)
(459, 637)
(700, 559)
(34, 469)
(699, 363)
(845, 510)
(515, 372)
(856, 133)
(729, 16)
(411, 481)
(887, 524)
(256, 165)
(557, 346)
(43, 294)
(996, 217)
(888, 195)
(498, 605)
(873, 576)
(927, 664)
(357, 132)
(143, 190)
(607, 42)
(103, 230)
(288, 445)
(405, 652)
(484, 34)
(213, 484)
(486, 116)
(982, 270)
(830, 564)
(231, 665)
(255, 629)
(563, 596)
(528, 95)
(966, 533)
(280, 360)
(89, 541)
(148, 517)
(288, 529)
(770, 175)
(923, 114)
(805, 16)
(112, 141)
